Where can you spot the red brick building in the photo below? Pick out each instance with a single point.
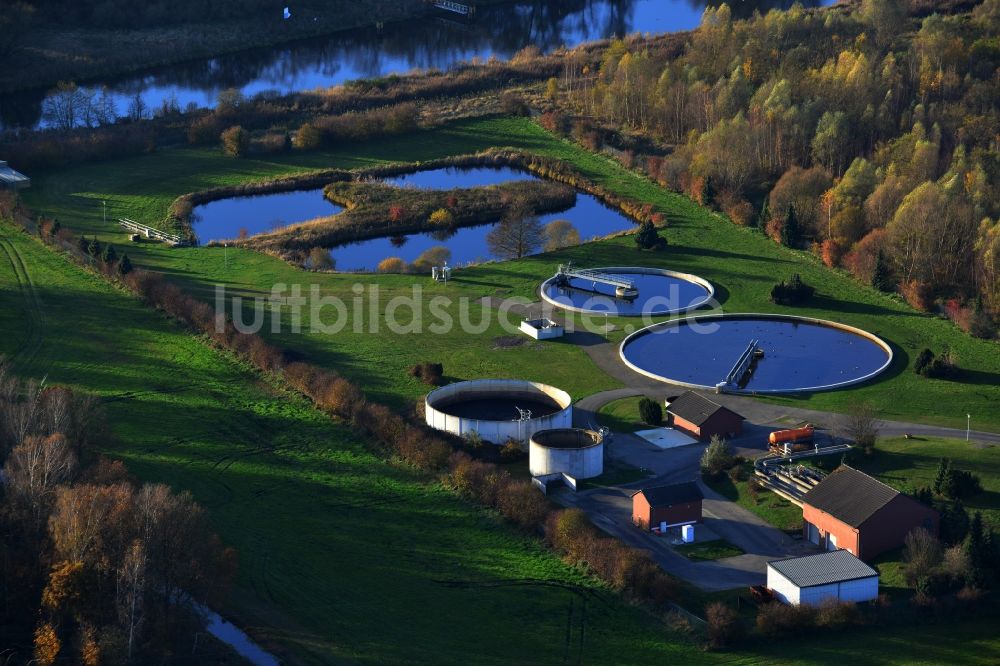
(851, 510)
(701, 418)
(676, 504)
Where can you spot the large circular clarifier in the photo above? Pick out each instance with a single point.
(755, 353)
(498, 409)
(650, 291)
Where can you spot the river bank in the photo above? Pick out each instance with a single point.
(50, 54)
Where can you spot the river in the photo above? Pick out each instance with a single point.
(433, 42)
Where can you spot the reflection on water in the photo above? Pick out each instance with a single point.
(797, 355)
(427, 43)
(248, 216)
(589, 217)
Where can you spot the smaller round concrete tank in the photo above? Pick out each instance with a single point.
(498, 409)
(576, 452)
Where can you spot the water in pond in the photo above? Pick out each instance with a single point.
(500, 30)
(228, 218)
(468, 244)
(499, 409)
(236, 638)
(798, 356)
(659, 294)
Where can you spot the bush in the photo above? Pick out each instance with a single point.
(428, 373)
(834, 614)
(935, 367)
(794, 292)
(647, 238)
(717, 458)
(442, 217)
(511, 450)
(235, 141)
(775, 618)
(723, 625)
(308, 137)
(392, 265)
(650, 412)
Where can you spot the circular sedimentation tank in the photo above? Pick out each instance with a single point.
(756, 353)
(498, 409)
(576, 452)
(649, 291)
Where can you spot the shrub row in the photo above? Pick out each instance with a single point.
(568, 531)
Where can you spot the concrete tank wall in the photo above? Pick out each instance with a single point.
(497, 432)
(572, 451)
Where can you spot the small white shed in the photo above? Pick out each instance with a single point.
(542, 329)
(813, 579)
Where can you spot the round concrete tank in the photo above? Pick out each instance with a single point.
(498, 409)
(576, 452)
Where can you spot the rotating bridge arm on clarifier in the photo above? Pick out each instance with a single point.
(616, 281)
(742, 364)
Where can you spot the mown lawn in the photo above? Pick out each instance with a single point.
(708, 550)
(622, 415)
(742, 263)
(343, 557)
(774, 509)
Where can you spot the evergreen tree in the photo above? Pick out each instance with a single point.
(790, 232)
(83, 244)
(977, 548)
(94, 248)
(708, 192)
(941, 478)
(881, 276)
(125, 265)
(647, 238)
(109, 256)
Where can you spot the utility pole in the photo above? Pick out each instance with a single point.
(105, 205)
(968, 425)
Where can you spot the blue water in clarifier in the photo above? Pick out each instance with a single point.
(468, 245)
(658, 295)
(797, 355)
(228, 218)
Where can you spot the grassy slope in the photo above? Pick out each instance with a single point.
(772, 508)
(342, 556)
(621, 415)
(743, 265)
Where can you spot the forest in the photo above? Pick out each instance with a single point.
(94, 567)
(870, 137)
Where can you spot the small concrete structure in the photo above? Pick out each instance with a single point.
(542, 329)
(481, 406)
(11, 179)
(666, 438)
(813, 579)
(575, 452)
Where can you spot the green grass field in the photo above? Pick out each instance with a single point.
(348, 558)
(343, 557)
(741, 263)
(621, 415)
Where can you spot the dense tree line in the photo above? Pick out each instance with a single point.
(95, 568)
(869, 135)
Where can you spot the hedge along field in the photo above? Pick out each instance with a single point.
(336, 546)
(742, 263)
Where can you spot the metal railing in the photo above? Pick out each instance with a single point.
(150, 232)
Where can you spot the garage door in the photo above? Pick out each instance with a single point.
(812, 533)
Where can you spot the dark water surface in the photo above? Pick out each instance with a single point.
(437, 42)
(797, 355)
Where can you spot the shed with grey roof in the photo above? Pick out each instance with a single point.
(11, 179)
(813, 579)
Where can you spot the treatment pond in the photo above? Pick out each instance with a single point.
(756, 353)
(589, 217)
